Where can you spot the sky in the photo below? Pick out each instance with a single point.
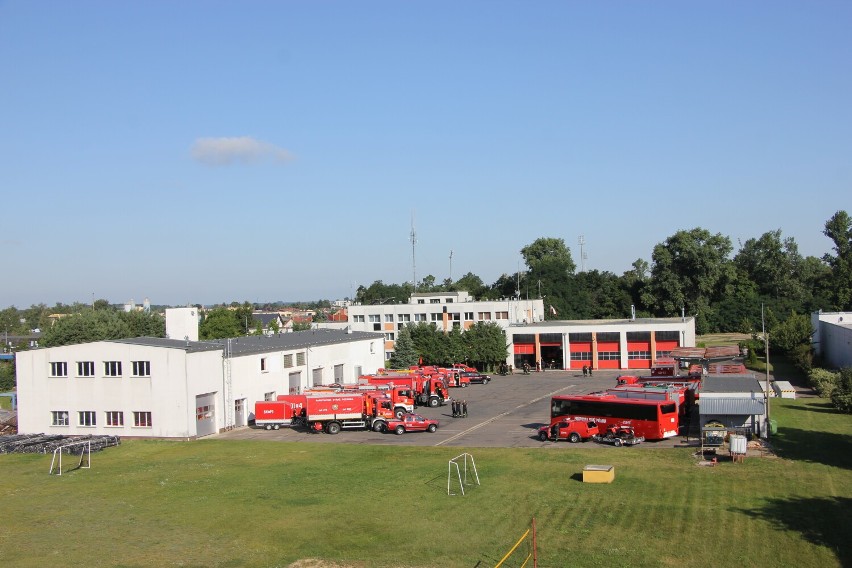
(206, 152)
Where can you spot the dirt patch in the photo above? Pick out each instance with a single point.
(316, 563)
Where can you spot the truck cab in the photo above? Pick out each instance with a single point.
(572, 429)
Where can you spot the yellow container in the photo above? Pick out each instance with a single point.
(598, 474)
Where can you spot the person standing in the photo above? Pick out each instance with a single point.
(585, 371)
(464, 408)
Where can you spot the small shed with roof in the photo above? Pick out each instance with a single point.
(736, 402)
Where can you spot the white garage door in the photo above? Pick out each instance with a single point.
(205, 414)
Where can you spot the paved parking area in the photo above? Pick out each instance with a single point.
(505, 413)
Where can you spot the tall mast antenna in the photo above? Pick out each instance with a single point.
(451, 265)
(413, 238)
(582, 242)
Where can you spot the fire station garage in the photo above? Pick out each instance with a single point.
(599, 344)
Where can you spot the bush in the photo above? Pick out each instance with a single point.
(842, 395)
(802, 357)
(823, 381)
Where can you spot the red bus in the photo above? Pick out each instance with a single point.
(654, 419)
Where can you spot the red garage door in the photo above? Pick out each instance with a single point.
(638, 354)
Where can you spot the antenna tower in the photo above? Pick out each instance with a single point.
(413, 239)
(451, 265)
(582, 242)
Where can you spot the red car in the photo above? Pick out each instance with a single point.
(412, 423)
(569, 429)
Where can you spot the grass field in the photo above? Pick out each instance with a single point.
(248, 503)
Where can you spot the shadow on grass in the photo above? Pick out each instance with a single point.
(821, 521)
(824, 407)
(819, 447)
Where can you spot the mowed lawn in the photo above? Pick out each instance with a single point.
(254, 503)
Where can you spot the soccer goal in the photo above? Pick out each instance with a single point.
(461, 473)
(85, 456)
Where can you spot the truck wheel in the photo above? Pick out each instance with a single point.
(399, 412)
(574, 437)
(618, 443)
(485, 381)
(432, 428)
(399, 430)
(434, 402)
(542, 436)
(268, 426)
(379, 426)
(464, 385)
(332, 428)
(276, 427)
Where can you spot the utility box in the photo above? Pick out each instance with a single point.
(598, 474)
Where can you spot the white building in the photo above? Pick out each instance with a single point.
(445, 310)
(832, 338)
(171, 388)
(559, 344)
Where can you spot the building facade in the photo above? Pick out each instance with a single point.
(832, 338)
(170, 388)
(445, 310)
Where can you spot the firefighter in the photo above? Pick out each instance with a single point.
(554, 432)
(464, 408)
(585, 371)
(453, 404)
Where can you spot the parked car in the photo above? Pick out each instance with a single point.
(476, 377)
(412, 423)
(570, 429)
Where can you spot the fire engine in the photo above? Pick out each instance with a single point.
(429, 390)
(334, 412)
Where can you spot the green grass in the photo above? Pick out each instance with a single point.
(6, 402)
(255, 503)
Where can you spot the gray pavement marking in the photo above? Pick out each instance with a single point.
(501, 415)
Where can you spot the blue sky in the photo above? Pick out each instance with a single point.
(216, 151)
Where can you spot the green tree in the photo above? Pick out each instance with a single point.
(690, 271)
(220, 323)
(472, 284)
(796, 330)
(144, 324)
(486, 345)
(839, 230)
(86, 327)
(102, 305)
(773, 264)
(404, 355)
(841, 398)
(7, 376)
(301, 325)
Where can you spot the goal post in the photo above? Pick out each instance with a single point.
(461, 473)
(85, 456)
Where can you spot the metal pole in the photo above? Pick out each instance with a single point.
(766, 349)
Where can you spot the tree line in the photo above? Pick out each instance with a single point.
(693, 272)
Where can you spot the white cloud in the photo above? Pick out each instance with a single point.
(239, 149)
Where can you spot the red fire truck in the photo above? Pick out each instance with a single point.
(334, 412)
(428, 390)
(401, 397)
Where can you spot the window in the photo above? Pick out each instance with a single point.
(388, 355)
(389, 337)
(389, 318)
(288, 361)
(203, 412)
(141, 419)
(141, 368)
(300, 358)
(421, 301)
(667, 335)
(661, 354)
(377, 327)
(269, 396)
(638, 355)
(468, 316)
(86, 418)
(449, 300)
(455, 316)
(501, 315)
(580, 337)
(114, 418)
(638, 336)
(358, 319)
(419, 317)
(375, 318)
(609, 356)
(436, 317)
(404, 317)
(85, 368)
(263, 368)
(59, 369)
(435, 301)
(112, 368)
(484, 316)
(59, 418)
(581, 356)
(609, 336)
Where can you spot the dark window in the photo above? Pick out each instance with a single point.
(523, 338)
(638, 336)
(609, 336)
(668, 335)
(550, 337)
(580, 337)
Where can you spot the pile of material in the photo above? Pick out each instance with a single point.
(47, 443)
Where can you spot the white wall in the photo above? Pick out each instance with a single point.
(182, 323)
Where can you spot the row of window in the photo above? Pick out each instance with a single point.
(110, 369)
(437, 316)
(288, 361)
(141, 419)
